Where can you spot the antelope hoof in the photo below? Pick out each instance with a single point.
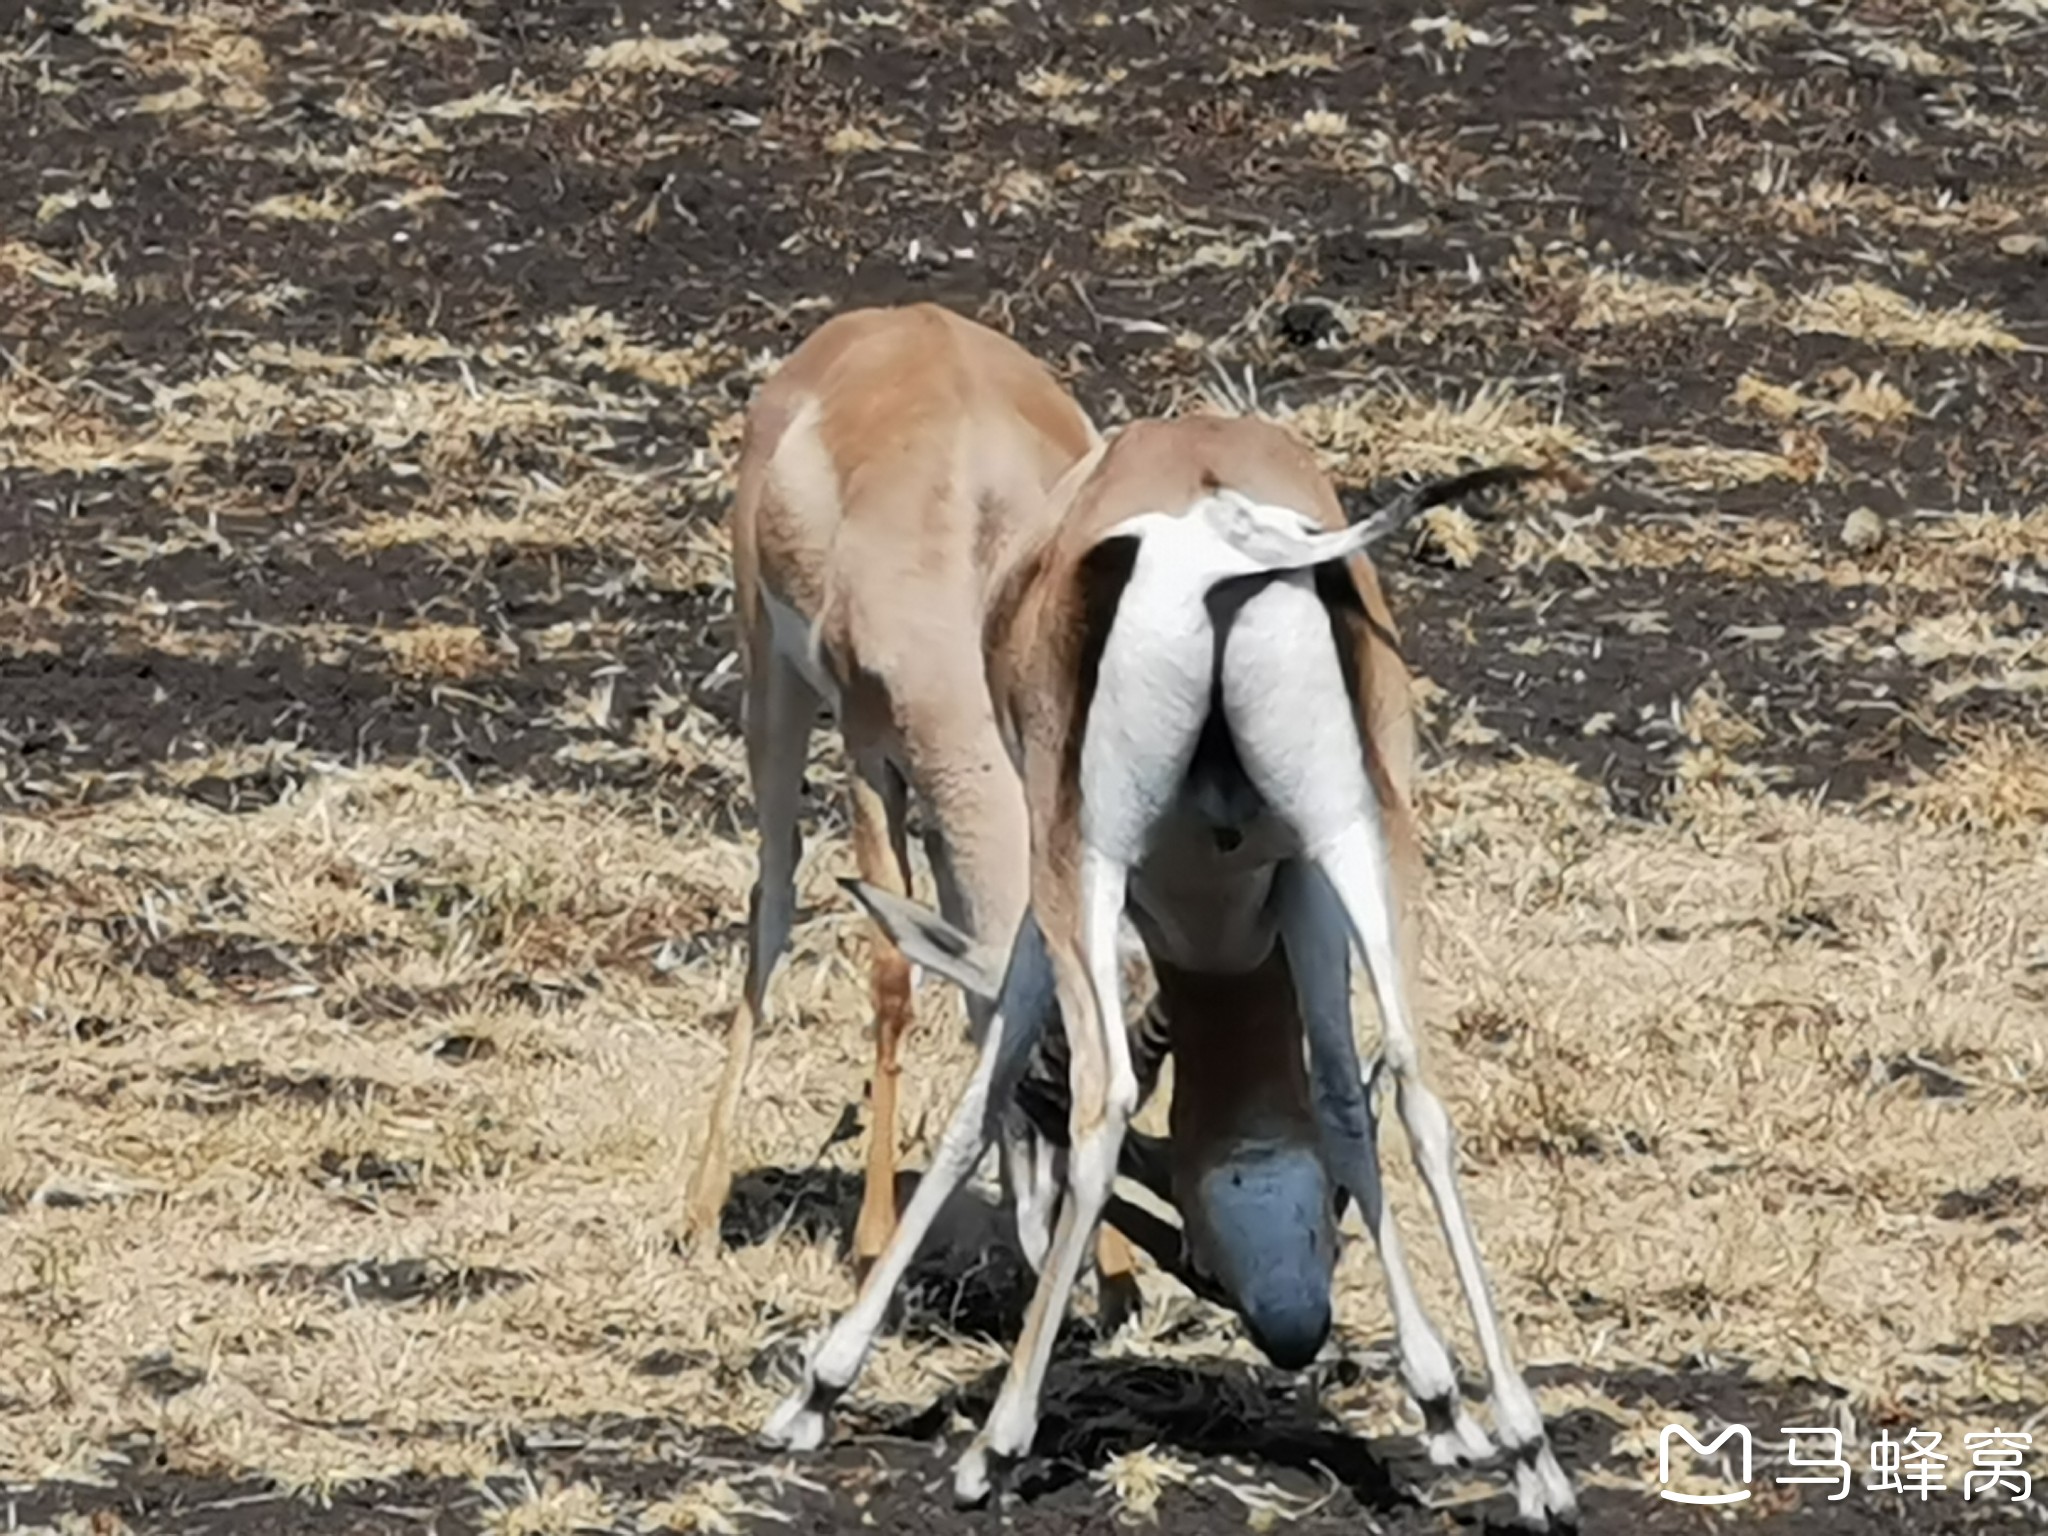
(801, 1420)
(1119, 1300)
(1460, 1443)
(975, 1477)
(795, 1425)
(1543, 1494)
(704, 1210)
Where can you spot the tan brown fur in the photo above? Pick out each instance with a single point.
(886, 469)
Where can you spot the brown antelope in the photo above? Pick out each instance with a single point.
(1196, 670)
(886, 467)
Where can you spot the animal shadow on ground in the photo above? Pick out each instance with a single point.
(969, 1279)
(1096, 1409)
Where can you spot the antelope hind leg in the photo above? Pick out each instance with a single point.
(1290, 716)
(1105, 1092)
(778, 713)
(1313, 929)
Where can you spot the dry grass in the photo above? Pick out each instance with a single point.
(1998, 784)
(658, 55)
(1871, 400)
(20, 260)
(1638, 993)
(1365, 437)
(1873, 313)
(439, 650)
(1604, 299)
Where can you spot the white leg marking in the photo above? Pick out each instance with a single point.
(1022, 1158)
(800, 1421)
(1091, 1172)
(1355, 863)
(1035, 1189)
(1291, 717)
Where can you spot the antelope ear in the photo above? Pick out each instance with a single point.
(927, 939)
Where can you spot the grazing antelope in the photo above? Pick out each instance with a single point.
(1238, 1051)
(1197, 673)
(887, 467)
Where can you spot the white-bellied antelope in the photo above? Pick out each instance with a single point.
(1198, 675)
(888, 468)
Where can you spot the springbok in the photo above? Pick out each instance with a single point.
(886, 468)
(1196, 671)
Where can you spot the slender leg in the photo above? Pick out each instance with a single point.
(1028, 1167)
(978, 844)
(1318, 951)
(1355, 865)
(1289, 716)
(1105, 1093)
(883, 855)
(802, 1418)
(1031, 1177)
(779, 710)
(1116, 1272)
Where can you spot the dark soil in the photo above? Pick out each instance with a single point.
(1251, 1430)
(1548, 138)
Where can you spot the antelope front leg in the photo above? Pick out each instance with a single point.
(1105, 1090)
(880, 849)
(1312, 926)
(801, 1420)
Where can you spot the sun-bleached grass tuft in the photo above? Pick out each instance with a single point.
(218, 63)
(1997, 783)
(657, 55)
(1607, 299)
(428, 26)
(1369, 436)
(551, 1508)
(456, 651)
(1865, 400)
(20, 259)
(1867, 311)
(713, 1507)
(1137, 1480)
